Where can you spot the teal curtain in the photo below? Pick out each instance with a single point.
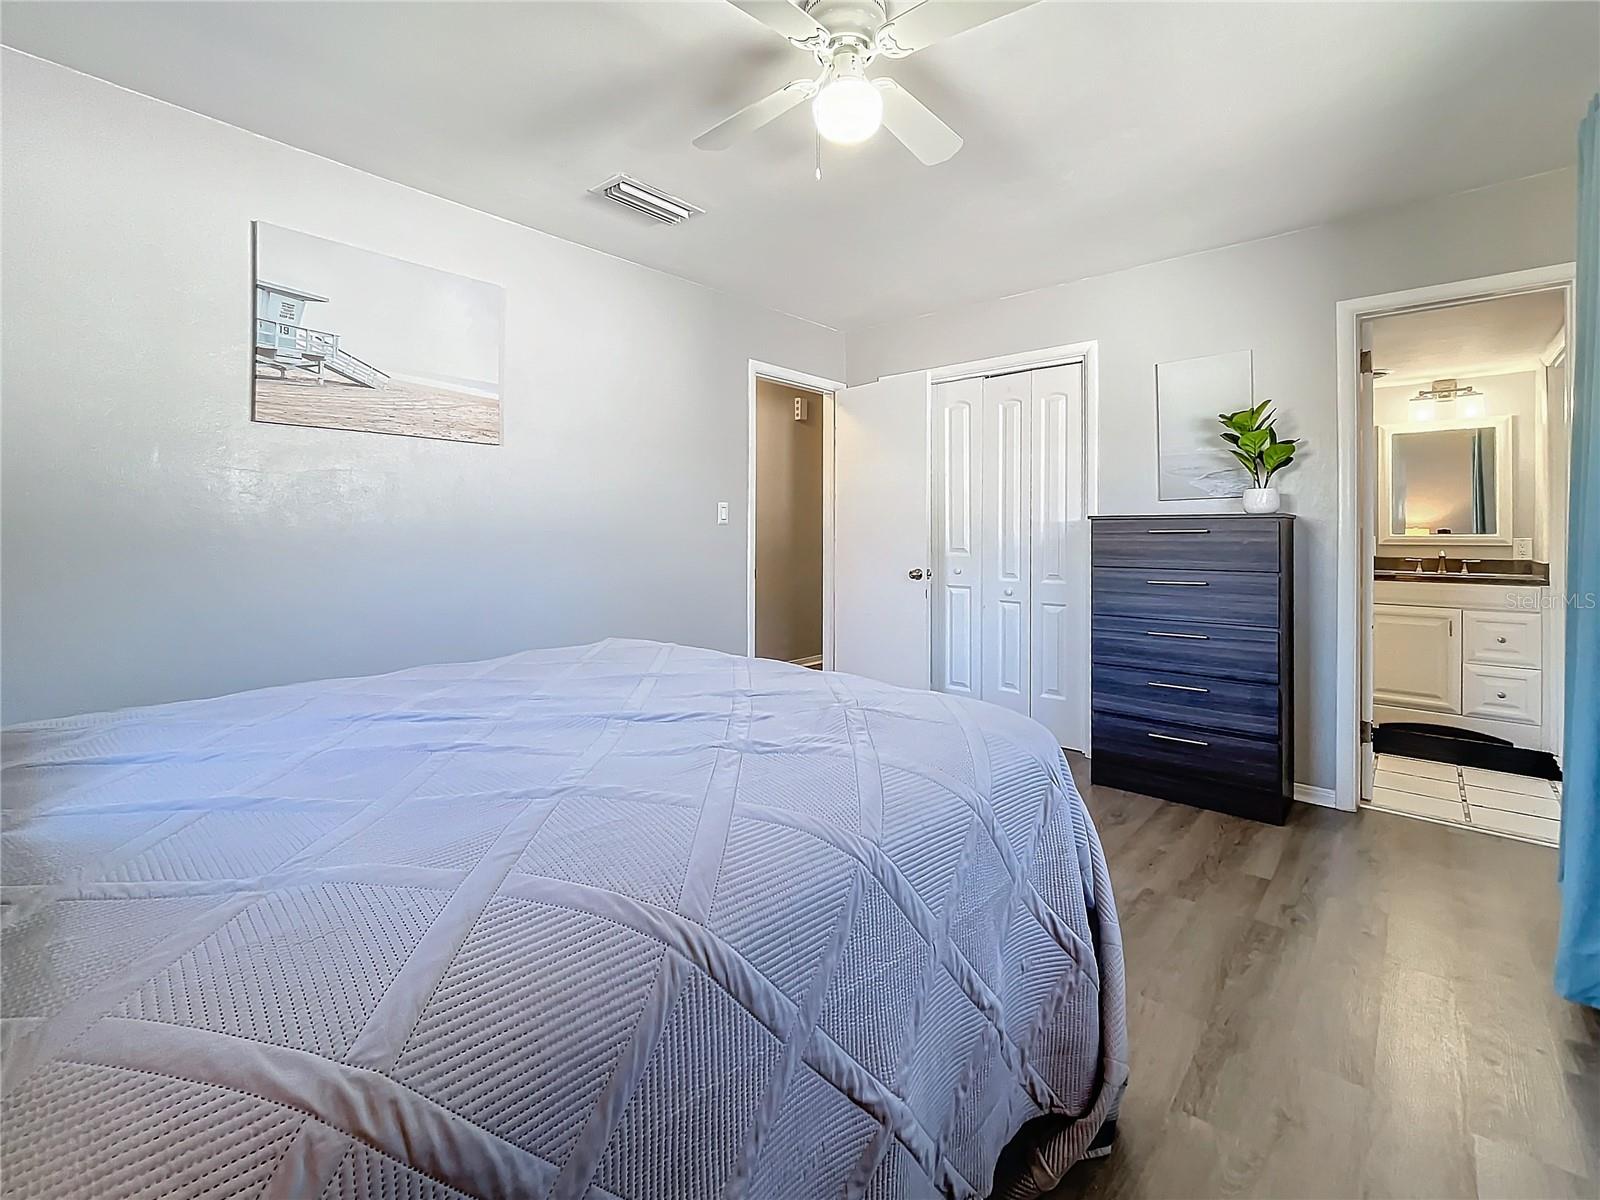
(1578, 953)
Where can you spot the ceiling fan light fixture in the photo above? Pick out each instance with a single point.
(848, 110)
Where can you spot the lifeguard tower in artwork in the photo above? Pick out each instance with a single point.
(284, 343)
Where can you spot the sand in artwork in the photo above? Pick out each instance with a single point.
(413, 410)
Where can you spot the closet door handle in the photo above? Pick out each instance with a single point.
(1178, 687)
(1193, 637)
(1167, 737)
(1178, 582)
(914, 573)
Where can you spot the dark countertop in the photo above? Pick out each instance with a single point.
(1505, 572)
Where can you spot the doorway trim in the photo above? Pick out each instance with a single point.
(1355, 558)
(811, 383)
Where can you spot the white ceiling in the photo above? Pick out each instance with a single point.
(1098, 136)
(1505, 334)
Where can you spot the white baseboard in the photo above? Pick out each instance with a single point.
(1320, 796)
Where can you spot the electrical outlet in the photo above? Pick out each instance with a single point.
(722, 512)
(1522, 548)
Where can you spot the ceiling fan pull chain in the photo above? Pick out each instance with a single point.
(818, 136)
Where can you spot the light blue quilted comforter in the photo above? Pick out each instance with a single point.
(625, 920)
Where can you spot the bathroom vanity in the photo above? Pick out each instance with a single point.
(1466, 650)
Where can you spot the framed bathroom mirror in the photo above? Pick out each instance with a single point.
(1445, 482)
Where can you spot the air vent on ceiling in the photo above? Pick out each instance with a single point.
(648, 200)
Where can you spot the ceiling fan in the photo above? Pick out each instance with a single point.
(846, 36)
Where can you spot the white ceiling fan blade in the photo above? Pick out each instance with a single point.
(934, 20)
(924, 134)
(753, 116)
(781, 15)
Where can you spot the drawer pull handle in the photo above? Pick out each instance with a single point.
(1176, 531)
(1178, 583)
(1193, 637)
(1500, 695)
(1167, 737)
(1178, 687)
(1501, 640)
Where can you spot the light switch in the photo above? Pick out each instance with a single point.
(722, 512)
(1522, 548)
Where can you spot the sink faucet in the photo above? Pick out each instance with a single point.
(1441, 562)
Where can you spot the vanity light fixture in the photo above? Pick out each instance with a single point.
(1444, 390)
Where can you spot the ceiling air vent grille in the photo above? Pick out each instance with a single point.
(643, 198)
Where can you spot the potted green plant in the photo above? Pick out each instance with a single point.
(1254, 442)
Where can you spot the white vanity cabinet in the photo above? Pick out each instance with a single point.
(1417, 657)
(1464, 655)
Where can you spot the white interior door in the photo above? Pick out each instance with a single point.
(881, 480)
(1060, 593)
(957, 608)
(1005, 547)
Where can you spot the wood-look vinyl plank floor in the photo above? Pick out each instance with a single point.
(1352, 1005)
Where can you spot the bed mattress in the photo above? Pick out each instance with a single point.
(625, 920)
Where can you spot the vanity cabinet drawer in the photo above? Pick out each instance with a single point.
(1502, 693)
(1235, 544)
(1186, 594)
(1504, 639)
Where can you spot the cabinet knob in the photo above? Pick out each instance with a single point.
(1501, 640)
(1500, 695)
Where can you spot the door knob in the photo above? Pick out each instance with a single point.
(914, 573)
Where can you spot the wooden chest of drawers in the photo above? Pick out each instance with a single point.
(1193, 653)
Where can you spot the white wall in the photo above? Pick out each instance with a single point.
(1275, 297)
(157, 544)
(1511, 394)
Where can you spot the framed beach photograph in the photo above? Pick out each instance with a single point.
(349, 339)
(1192, 461)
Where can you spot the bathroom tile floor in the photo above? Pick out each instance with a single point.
(1517, 806)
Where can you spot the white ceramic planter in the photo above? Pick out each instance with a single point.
(1260, 501)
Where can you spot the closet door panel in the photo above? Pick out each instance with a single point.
(1060, 559)
(1005, 541)
(958, 586)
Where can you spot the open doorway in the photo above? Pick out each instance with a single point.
(1464, 412)
(788, 481)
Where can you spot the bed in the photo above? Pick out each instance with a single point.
(625, 920)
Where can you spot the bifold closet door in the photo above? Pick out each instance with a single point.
(1060, 560)
(1005, 541)
(1010, 606)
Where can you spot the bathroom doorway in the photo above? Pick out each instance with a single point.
(1465, 408)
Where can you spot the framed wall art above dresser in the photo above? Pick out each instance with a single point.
(1193, 660)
